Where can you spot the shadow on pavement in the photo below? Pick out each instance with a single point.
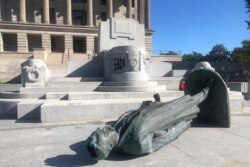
(81, 158)
(117, 156)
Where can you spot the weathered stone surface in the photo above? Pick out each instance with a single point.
(29, 109)
(34, 73)
(121, 32)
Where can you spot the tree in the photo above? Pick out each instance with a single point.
(242, 54)
(169, 53)
(218, 54)
(248, 11)
(195, 56)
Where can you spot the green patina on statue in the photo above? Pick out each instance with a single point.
(156, 124)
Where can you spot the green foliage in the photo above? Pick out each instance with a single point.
(248, 11)
(218, 54)
(170, 53)
(195, 56)
(242, 54)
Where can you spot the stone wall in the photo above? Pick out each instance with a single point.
(10, 67)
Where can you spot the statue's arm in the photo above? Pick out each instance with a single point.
(203, 94)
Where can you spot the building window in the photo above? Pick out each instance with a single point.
(103, 16)
(34, 41)
(57, 44)
(52, 16)
(9, 42)
(79, 17)
(79, 44)
(103, 2)
(79, 1)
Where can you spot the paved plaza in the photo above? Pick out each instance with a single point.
(35, 144)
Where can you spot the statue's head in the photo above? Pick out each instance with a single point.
(102, 141)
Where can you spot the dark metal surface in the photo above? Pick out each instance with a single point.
(156, 124)
(215, 109)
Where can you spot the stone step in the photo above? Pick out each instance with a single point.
(131, 88)
(60, 89)
(167, 80)
(74, 79)
(73, 83)
(8, 108)
(84, 110)
(247, 103)
(247, 107)
(18, 95)
(121, 95)
(29, 109)
(131, 83)
(236, 100)
(172, 87)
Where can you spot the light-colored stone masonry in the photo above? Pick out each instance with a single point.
(23, 18)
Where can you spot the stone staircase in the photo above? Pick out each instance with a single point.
(247, 107)
(78, 99)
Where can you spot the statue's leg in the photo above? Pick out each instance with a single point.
(164, 137)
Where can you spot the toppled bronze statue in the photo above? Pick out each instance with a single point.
(156, 124)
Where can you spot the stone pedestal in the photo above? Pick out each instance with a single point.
(40, 53)
(125, 63)
(121, 32)
(34, 73)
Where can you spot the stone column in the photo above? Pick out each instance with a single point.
(142, 12)
(22, 11)
(136, 9)
(129, 8)
(69, 12)
(1, 42)
(90, 12)
(110, 9)
(46, 11)
(22, 42)
(46, 42)
(1, 4)
(147, 22)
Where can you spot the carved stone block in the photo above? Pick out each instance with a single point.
(34, 73)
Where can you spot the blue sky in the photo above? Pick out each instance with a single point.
(198, 25)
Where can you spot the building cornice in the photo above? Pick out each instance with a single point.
(47, 28)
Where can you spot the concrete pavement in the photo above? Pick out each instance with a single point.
(35, 144)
